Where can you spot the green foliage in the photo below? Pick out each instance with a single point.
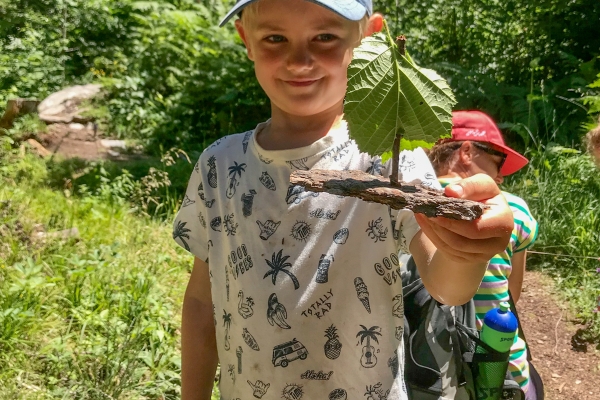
(389, 95)
(562, 188)
(47, 44)
(95, 315)
(592, 101)
(173, 77)
(25, 127)
(186, 84)
(525, 63)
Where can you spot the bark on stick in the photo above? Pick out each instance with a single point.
(416, 197)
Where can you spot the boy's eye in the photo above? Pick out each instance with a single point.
(325, 37)
(275, 39)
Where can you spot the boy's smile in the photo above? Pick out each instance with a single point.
(301, 53)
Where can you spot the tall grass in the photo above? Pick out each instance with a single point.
(562, 188)
(89, 317)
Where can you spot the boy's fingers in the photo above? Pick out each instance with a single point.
(496, 221)
(477, 249)
(477, 187)
(454, 253)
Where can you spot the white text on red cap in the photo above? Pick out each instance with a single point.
(475, 132)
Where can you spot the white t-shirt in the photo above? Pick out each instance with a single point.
(306, 286)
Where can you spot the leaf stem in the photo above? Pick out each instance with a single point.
(401, 43)
(395, 161)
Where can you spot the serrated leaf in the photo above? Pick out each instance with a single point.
(388, 94)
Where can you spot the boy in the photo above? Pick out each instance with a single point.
(304, 287)
(477, 146)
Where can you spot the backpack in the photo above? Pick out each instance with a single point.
(440, 342)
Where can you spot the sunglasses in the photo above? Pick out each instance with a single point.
(493, 152)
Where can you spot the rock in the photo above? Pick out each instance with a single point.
(39, 233)
(113, 144)
(65, 106)
(41, 150)
(76, 126)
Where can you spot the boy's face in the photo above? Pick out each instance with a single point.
(301, 53)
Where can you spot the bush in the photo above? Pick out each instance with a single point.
(562, 188)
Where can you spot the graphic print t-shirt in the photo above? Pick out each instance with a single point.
(306, 286)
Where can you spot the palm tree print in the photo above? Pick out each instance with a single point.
(375, 167)
(278, 264)
(368, 359)
(369, 334)
(235, 171)
(227, 325)
(181, 232)
(227, 320)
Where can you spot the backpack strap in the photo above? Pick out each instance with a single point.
(457, 353)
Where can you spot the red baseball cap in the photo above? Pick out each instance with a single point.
(479, 127)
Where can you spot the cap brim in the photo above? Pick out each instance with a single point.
(239, 6)
(514, 161)
(349, 9)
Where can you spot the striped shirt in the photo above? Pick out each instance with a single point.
(494, 286)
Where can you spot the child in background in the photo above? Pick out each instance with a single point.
(298, 294)
(476, 147)
(592, 140)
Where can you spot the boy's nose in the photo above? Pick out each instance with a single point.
(300, 59)
(499, 179)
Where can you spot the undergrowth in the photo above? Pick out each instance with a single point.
(91, 315)
(562, 187)
(91, 283)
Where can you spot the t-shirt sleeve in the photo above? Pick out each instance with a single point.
(414, 165)
(525, 230)
(189, 227)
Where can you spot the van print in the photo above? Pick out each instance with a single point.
(287, 352)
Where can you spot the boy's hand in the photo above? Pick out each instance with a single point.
(472, 241)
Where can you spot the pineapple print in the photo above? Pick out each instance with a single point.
(333, 347)
(212, 173)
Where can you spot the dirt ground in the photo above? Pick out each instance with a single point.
(81, 141)
(568, 373)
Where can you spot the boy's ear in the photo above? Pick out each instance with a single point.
(374, 25)
(240, 29)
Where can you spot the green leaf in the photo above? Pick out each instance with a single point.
(388, 94)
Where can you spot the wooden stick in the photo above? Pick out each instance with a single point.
(415, 197)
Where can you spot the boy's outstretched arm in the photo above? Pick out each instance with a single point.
(452, 255)
(198, 341)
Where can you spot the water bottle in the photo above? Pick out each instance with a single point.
(499, 331)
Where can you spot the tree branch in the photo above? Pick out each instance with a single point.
(416, 197)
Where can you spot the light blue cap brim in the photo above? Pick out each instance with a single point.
(354, 10)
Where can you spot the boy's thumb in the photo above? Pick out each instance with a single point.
(477, 187)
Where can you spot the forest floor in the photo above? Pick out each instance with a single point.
(82, 141)
(568, 371)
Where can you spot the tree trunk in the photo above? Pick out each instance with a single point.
(15, 108)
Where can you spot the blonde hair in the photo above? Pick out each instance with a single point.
(250, 12)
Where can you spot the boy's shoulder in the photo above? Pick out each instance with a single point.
(228, 144)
